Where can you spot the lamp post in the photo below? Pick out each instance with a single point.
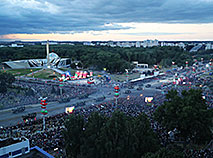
(61, 80)
(128, 97)
(44, 110)
(187, 64)
(117, 89)
(127, 75)
(193, 70)
(173, 65)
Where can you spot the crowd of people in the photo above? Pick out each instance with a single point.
(25, 93)
(51, 139)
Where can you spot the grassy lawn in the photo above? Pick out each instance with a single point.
(72, 71)
(45, 74)
(21, 72)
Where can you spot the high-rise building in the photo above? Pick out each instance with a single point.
(150, 43)
(209, 46)
(138, 44)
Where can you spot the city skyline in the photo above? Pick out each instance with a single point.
(101, 20)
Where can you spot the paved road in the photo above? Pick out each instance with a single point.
(8, 118)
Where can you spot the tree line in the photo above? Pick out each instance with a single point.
(117, 136)
(98, 57)
(124, 136)
(6, 80)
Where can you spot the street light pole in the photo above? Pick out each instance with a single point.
(43, 111)
(43, 122)
(116, 94)
(61, 85)
(127, 75)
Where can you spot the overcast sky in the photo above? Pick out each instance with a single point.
(88, 20)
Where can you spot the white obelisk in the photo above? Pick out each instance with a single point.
(48, 57)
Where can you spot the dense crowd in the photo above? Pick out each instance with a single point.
(51, 140)
(27, 93)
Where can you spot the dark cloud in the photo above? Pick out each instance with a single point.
(69, 16)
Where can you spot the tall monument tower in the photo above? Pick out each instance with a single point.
(48, 56)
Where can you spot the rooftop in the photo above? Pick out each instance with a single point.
(10, 141)
(36, 152)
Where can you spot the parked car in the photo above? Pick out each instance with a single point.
(127, 92)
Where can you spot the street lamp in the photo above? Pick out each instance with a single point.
(117, 89)
(127, 75)
(128, 97)
(43, 111)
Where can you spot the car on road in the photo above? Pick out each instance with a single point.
(82, 103)
(127, 92)
(130, 87)
(159, 87)
(100, 99)
(139, 88)
(64, 100)
(83, 97)
(148, 86)
(29, 116)
(18, 110)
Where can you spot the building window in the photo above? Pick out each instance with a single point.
(16, 152)
(26, 149)
(4, 156)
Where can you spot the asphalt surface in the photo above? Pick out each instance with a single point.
(7, 118)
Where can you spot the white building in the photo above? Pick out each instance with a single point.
(138, 44)
(196, 48)
(1, 46)
(181, 45)
(52, 60)
(14, 147)
(110, 43)
(137, 65)
(150, 43)
(118, 44)
(50, 43)
(209, 46)
(103, 44)
(126, 44)
(17, 45)
(170, 44)
(72, 44)
(162, 44)
(88, 44)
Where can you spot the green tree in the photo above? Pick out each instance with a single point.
(92, 144)
(74, 135)
(6, 80)
(165, 153)
(114, 59)
(119, 136)
(145, 140)
(187, 113)
(115, 136)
